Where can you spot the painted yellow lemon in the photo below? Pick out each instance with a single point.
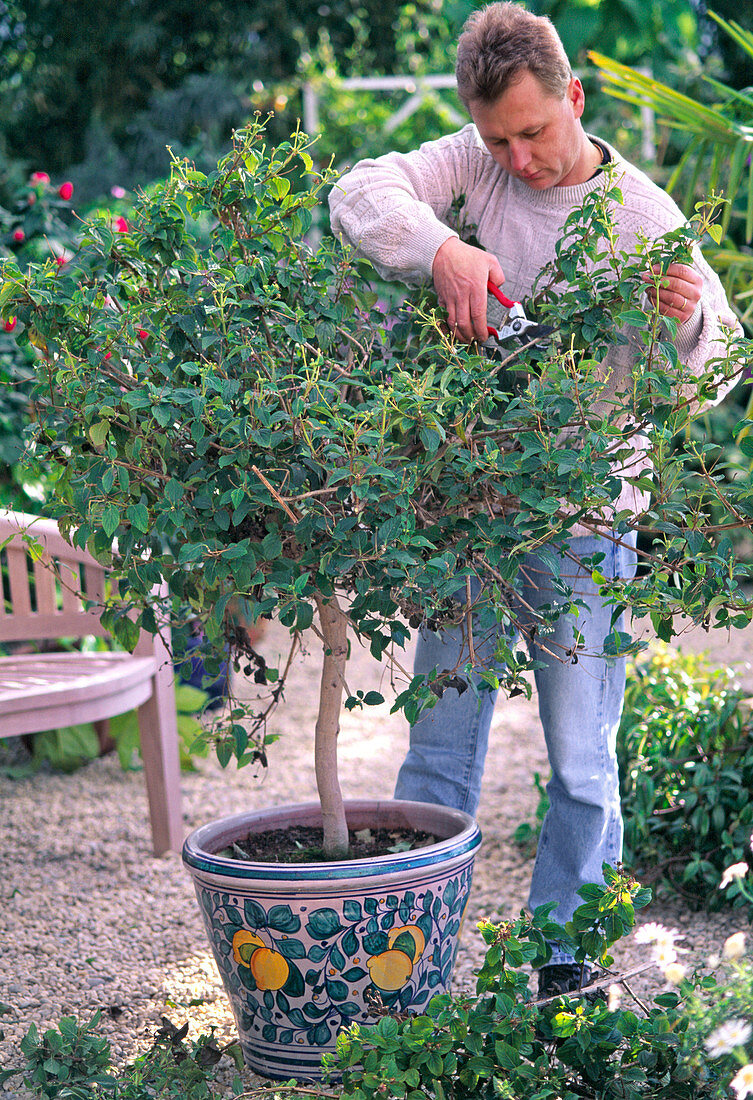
(390, 970)
(415, 932)
(269, 968)
(244, 945)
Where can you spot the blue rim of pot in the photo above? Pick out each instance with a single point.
(197, 856)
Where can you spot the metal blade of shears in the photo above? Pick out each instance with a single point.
(518, 324)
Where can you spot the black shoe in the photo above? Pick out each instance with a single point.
(563, 978)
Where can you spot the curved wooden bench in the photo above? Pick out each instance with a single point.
(58, 593)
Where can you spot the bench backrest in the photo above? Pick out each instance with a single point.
(44, 595)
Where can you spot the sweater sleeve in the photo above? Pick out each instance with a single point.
(395, 210)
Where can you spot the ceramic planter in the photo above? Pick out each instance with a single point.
(305, 950)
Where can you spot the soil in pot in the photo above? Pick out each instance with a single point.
(303, 844)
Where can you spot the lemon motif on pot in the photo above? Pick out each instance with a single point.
(397, 937)
(269, 968)
(244, 945)
(390, 970)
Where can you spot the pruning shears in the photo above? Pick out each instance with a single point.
(518, 323)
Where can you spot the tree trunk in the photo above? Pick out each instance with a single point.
(334, 629)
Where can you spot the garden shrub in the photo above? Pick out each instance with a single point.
(686, 767)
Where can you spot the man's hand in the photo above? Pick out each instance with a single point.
(679, 291)
(460, 274)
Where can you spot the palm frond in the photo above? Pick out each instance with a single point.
(723, 130)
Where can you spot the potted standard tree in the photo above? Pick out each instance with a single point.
(228, 411)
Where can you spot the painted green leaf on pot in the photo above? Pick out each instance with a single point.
(319, 1035)
(370, 905)
(246, 977)
(388, 920)
(297, 1018)
(450, 893)
(349, 944)
(285, 1037)
(323, 923)
(425, 924)
(269, 1000)
(283, 919)
(350, 1008)
(317, 953)
(406, 942)
(336, 959)
(291, 949)
(282, 1002)
(294, 986)
(314, 1012)
(269, 1032)
(255, 915)
(375, 943)
(426, 901)
(354, 974)
(337, 991)
(352, 910)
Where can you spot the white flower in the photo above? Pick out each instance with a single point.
(714, 961)
(742, 1082)
(664, 955)
(656, 933)
(675, 972)
(735, 1033)
(614, 996)
(734, 946)
(737, 870)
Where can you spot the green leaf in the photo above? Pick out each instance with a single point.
(110, 519)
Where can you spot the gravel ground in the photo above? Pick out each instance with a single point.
(90, 920)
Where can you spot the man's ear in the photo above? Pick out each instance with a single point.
(577, 96)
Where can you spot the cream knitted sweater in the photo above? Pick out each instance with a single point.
(396, 209)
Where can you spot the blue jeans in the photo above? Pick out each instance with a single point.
(579, 707)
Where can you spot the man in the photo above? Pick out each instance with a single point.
(522, 167)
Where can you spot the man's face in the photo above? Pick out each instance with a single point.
(536, 136)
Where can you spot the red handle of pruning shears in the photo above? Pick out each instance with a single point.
(506, 302)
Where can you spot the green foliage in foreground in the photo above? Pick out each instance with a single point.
(692, 1043)
(686, 767)
(72, 1062)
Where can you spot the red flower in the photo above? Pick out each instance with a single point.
(108, 356)
(10, 324)
(65, 190)
(143, 334)
(19, 235)
(40, 177)
(121, 225)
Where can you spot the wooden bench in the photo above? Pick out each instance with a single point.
(59, 595)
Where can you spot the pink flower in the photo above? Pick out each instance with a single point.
(19, 235)
(118, 192)
(65, 190)
(142, 334)
(121, 225)
(40, 177)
